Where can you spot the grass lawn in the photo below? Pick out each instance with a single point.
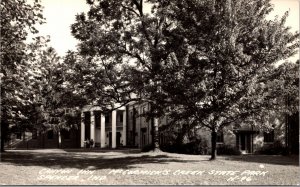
(77, 167)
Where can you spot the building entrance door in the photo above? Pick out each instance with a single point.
(110, 139)
(118, 138)
(245, 144)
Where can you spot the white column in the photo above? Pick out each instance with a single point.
(93, 126)
(82, 129)
(114, 129)
(59, 139)
(124, 128)
(102, 131)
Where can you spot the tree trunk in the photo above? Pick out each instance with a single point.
(155, 137)
(2, 144)
(213, 145)
(4, 129)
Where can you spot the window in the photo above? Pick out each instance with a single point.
(220, 137)
(107, 118)
(50, 134)
(269, 136)
(66, 134)
(18, 135)
(87, 118)
(144, 129)
(161, 138)
(34, 134)
(97, 119)
(143, 138)
(121, 118)
(134, 113)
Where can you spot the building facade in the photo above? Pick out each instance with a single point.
(127, 127)
(104, 129)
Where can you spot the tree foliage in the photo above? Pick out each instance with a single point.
(35, 83)
(279, 92)
(56, 104)
(122, 42)
(227, 48)
(18, 19)
(195, 60)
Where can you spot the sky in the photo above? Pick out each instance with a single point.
(60, 14)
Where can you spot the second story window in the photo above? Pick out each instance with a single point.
(66, 134)
(220, 137)
(50, 134)
(107, 118)
(269, 137)
(121, 118)
(34, 134)
(97, 119)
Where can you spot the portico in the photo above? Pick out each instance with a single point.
(105, 129)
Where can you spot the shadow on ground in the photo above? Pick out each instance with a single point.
(109, 159)
(105, 150)
(85, 160)
(267, 159)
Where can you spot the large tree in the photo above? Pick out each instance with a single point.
(119, 40)
(194, 60)
(18, 19)
(54, 101)
(226, 49)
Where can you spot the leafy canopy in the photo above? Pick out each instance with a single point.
(196, 60)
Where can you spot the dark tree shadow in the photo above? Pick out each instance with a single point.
(105, 150)
(116, 159)
(83, 160)
(267, 159)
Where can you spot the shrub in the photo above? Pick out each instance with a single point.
(273, 149)
(227, 150)
(196, 146)
(147, 148)
(171, 148)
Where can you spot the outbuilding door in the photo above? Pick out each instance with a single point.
(244, 140)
